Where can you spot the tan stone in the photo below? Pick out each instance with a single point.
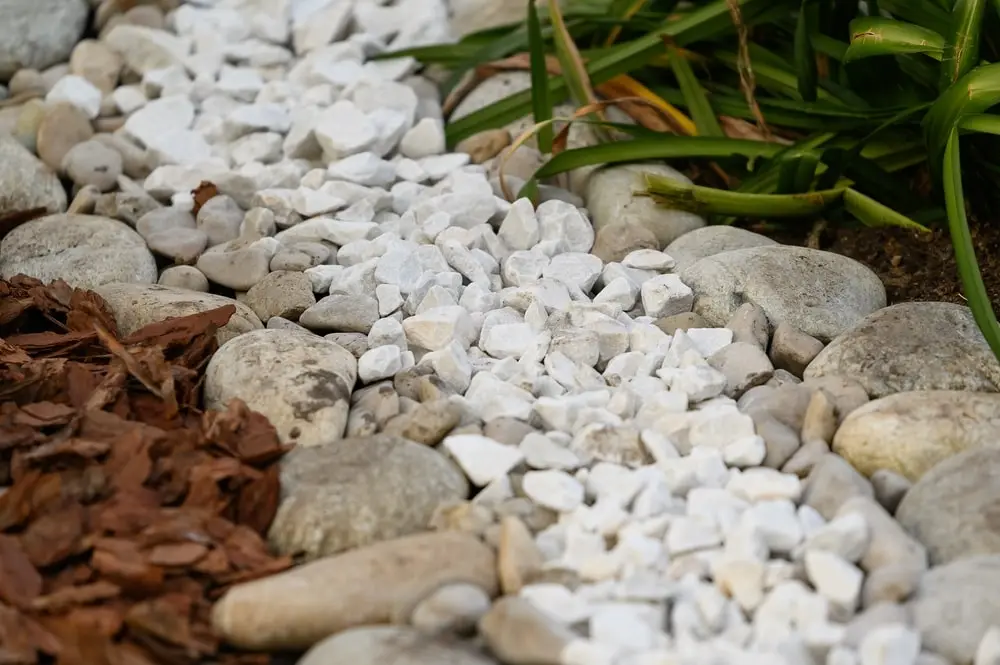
(297, 608)
(519, 560)
(62, 127)
(909, 433)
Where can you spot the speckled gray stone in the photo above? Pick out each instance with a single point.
(360, 491)
(84, 250)
(38, 33)
(820, 293)
(300, 381)
(25, 182)
(138, 305)
(912, 346)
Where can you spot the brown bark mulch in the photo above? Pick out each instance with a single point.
(129, 510)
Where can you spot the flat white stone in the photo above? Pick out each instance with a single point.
(847, 536)
(380, 363)
(482, 459)
(556, 490)
(891, 644)
(666, 295)
(343, 130)
(763, 484)
(424, 139)
(835, 579)
(648, 259)
(709, 340)
(541, 452)
(78, 92)
(988, 652)
(437, 328)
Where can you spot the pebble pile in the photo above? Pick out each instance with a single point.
(520, 440)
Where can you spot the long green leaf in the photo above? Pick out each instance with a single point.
(710, 201)
(665, 147)
(698, 106)
(974, 93)
(982, 123)
(796, 173)
(870, 212)
(705, 22)
(541, 101)
(965, 252)
(573, 68)
(962, 51)
(922, 12)
(875, 35)
(805, 54)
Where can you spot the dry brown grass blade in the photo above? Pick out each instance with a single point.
(748, 82)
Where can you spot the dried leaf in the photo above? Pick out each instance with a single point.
(178, 554)
(76, 595)
(20, 583)
(132, 508)
(55, 536)
(203, 193)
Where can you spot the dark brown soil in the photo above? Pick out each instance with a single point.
(913, 266)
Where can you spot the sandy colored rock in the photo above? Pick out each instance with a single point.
(518, 558)
(300, 381)
(911, 432)
(96, 62)
(62, 127)
(362, 587)
(912, 346)
(521, 634)
(484, 146)
(138, 305)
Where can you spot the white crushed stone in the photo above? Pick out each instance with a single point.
(637, 446)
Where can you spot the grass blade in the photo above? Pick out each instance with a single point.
(573, 68)
(694, 96)
(541, 100)
(922, 12)
(982, 123)
(705, 22)
(870, 212)
(805, 55)
(624, 9)
(965, 253)
(665, 147)
(710, 201)
(962, 51)
(974, 93)
(796, 173)
(626, 86)
(875, 35)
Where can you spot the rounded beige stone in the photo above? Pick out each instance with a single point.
(911, 432)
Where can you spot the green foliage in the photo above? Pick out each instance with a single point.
(862, 100)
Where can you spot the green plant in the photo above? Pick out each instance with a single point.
(804, 107)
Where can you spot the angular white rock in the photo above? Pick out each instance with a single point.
(482, 459)
(666, 295)
(556, 490)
